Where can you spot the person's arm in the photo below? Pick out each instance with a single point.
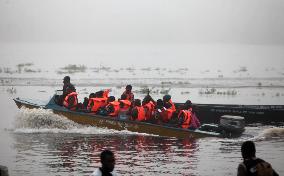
(71, 101)
(110, 109)
(180, 120)
(134, 113)
(241, 170)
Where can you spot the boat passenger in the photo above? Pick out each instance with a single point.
(125, 106)
(128, 93)
(185, 115)
(149, 106)
(167, 99)
(167, 109)
(112, 109)
(66, 84)
(70, 100)
(97, 102)
(138, 111)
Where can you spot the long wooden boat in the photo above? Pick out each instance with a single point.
(266, 114)
(113, 123)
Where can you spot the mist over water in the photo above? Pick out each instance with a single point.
(201, 60)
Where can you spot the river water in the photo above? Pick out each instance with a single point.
(38, 142)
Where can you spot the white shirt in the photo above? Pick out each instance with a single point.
(98, 172)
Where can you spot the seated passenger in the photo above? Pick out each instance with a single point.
(149, 106)
(128, 93)
(167, 100)
(138, 112)
(125, 106)
(70, 100)
(184, 116)
(195, 123)
(112, 109)
(97, 101)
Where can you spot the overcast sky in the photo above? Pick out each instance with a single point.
(143, 21)
(200, 34)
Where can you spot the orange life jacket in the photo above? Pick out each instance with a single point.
(116, 107)
(187, 118)
(105, 93)
(167, 114)
(173, 105)
(97, 103)
(66, 101)
(126, 105)
(141, 113)
(149, 107)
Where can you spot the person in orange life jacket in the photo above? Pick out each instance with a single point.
(125, 106)
(167, 110)
(149, 106)
(97, 102)
(112, 109)
(185, 115)
(138, 112)
(128, 93)
(167, 100)
(71, 100)
(159, 108)
(249, 165)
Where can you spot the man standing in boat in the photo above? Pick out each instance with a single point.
(66, 84)
(128, 93)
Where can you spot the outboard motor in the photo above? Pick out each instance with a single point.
(229, 126)
(232, 125)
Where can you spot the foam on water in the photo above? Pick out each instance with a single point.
(45, 121)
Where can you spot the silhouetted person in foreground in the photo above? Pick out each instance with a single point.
(4, 171)
(252, 165)
(108, 162)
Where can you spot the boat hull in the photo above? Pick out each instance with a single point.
(113, 123)
(265, 114)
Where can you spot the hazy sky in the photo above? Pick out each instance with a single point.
(203, 33)
(143, 21)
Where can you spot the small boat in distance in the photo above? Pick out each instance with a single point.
(230, 126)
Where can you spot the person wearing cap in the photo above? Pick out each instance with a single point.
(168, 109)
(128, 93)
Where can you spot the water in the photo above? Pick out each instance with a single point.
(38, 142)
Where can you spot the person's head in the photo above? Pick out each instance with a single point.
(147, 99)
(137, 102)
(92, 95)
(123, 97)
(128, 88)
(160, 103)
(166, 98)
(111, 99)
(100, 94)
(66, 79)
(248, 149)
(107, 160)
(187, 104)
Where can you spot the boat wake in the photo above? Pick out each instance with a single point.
(45, 121)
(275, 132)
